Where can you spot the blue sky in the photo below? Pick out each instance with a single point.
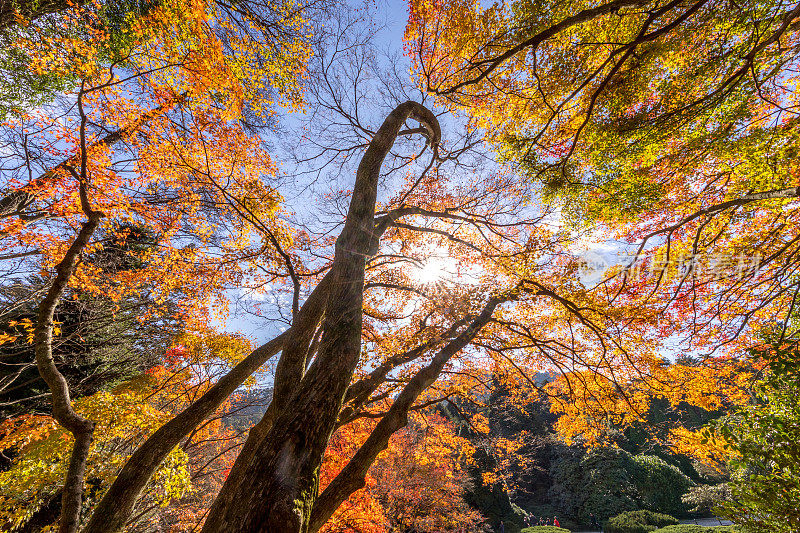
(391, 17)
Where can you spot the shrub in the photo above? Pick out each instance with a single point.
(545, 529)
(693, 528)
(598, 481)
(660, 485)
(638, 522)
(609, 481)
(703, 498)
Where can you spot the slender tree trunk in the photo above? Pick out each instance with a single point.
(81, 428)
(279, 491)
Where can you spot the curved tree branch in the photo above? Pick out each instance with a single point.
(81, 428)
(352, 476)
(280, 499)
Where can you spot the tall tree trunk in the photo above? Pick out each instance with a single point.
(288, 374)
(279, 491)
(117, 505)
(81, 428)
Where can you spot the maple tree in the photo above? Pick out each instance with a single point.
(417, 482)
(124, 416)
(667, 127)
(313, 403)
(99, 341)
(598, 101)
(756, 445)
(146, 139)
(449, 320)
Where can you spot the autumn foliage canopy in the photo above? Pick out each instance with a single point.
(409, 244)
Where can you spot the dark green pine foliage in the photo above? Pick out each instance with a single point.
(573, 482)
(609, 481)
(492, 500)
(101, 343)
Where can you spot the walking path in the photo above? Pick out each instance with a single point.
(708, 522)
(699, 522)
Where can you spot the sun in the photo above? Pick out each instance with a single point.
(437, 266)
(431, 271)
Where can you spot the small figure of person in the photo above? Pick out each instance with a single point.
(502, 527)
(556, 522)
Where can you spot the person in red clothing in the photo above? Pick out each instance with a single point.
(556, 522)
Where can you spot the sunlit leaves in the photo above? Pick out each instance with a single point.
(648, 124)
(417, 482)
(124, 417)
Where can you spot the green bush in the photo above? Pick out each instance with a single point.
(609, 481)
(596, 482)
(545, 529)
(660, 485)
(638, 522)
(693, 528)
(703, 498)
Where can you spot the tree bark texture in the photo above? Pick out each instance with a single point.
(353, 475)
(278, 492)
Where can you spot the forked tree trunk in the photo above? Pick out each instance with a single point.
(279, 490)
(288, 374)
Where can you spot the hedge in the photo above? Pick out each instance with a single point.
(545, 529)
(694, 528)
(638, 522)
(606, 482)
(660, 485)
